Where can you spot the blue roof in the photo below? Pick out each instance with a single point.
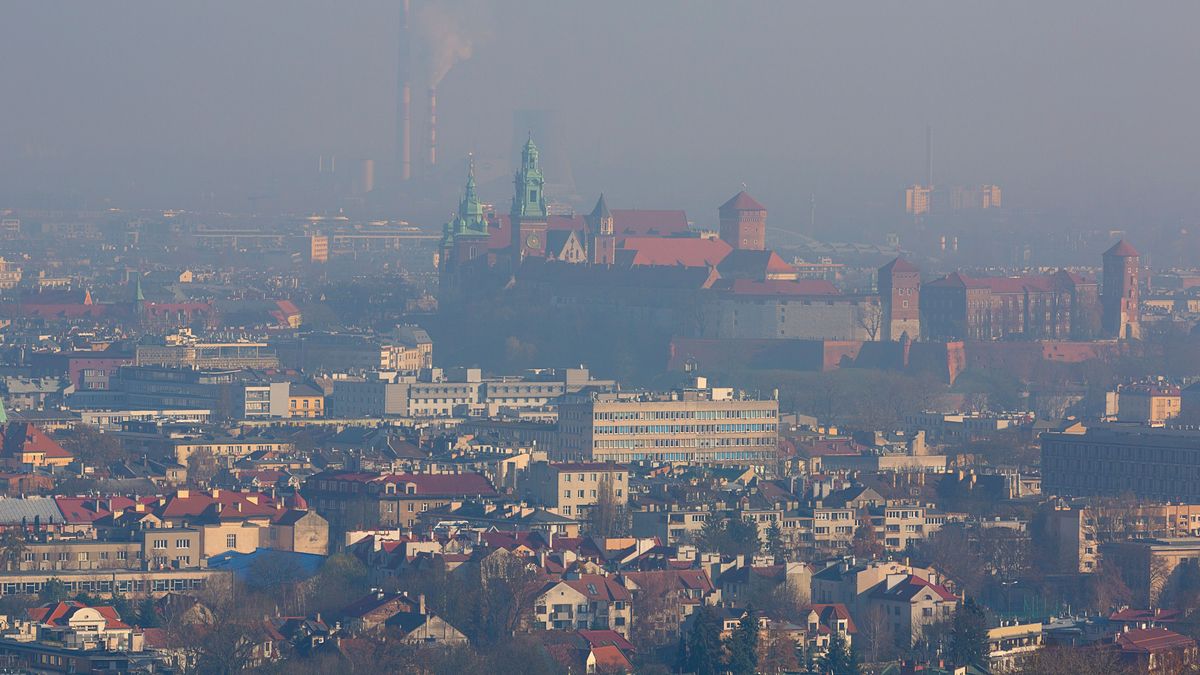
(241, 563)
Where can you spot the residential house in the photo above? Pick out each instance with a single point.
(910, 603)
(586, 601)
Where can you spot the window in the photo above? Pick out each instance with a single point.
(83, 556)
(160, 544)
(104, 555)
(183, 543)
(230, 541)
(122, 555)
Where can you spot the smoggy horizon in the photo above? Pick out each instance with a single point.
(668, 104)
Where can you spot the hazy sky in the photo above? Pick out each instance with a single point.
(1083, 108)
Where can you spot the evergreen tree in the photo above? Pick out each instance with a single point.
(54, 590)
(743, 646)
(775, 543)
(839, 659)
(147, 614)
(968, 635)
(704, 644)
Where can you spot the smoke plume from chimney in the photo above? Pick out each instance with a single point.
(444, 36)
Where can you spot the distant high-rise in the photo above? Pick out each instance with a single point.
(982, 197)
(744, 223)
(917, 199)
(1120, 297)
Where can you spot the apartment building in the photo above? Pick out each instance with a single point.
(458, 392)
(587, 602)
(408, 351)
(1110, 460)
(107, 582)
(179, 447)
(353, 500)
(570, 489)
(149, 549)
(1148, 403)
(207, 355)
(671, 526)
(698, 425)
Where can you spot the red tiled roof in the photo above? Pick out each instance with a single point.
(20, 437)
(1148, 640)
(1122, 249)
(829, 614)
(673, 580)
(898, 265)
(643, 222)
(511, 540)
(60, 613)
(1032, 283)
(609, 658)
(686, 252)
(596, 587)
(907, 589)
(598, 638)
(742, 202)
(90, 509)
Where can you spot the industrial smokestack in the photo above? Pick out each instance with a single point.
(404, 144)
(406, 132)
(432, 126)
(928, 156)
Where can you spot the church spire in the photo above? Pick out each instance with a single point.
(471, 209)
(529, 200)
(601, 219)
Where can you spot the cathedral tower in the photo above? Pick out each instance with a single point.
(528, 217)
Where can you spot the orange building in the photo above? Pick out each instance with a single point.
(26, 446)
(305, 401)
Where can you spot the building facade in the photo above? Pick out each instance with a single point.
(1150, 463)
(698, 425)
(1122, 297)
